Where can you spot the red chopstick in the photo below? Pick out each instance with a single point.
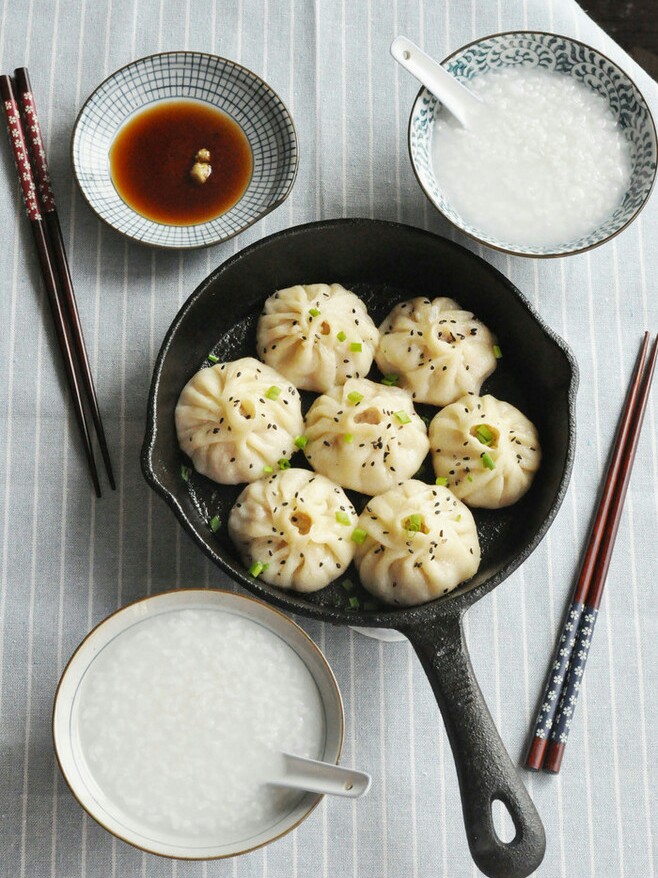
(32, 131)
(26, 179)
(562, 724)
(561, 692)
(560, 665)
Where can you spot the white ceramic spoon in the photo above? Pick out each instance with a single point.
(318, 777)
(461, 102)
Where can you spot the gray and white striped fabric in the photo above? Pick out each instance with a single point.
(66, 560)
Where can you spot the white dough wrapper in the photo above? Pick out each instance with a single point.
(439, 350)
(365, 436)
(317, 335)
(511, 443)
(288, 524)
(421, 543)
(236, 418)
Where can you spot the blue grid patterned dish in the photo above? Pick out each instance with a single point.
(564, 55)
(222, 83)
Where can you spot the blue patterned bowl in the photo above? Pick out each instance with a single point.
(226, 85)
(564, 55)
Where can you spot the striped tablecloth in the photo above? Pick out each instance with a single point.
(66, 560)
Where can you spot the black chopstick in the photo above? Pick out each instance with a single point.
(26, 180)
(568, 663)
(32, 131)
(571, 688)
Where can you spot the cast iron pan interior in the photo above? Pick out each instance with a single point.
(385, 263)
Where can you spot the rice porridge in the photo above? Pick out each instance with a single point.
(544, 163)
(179, 717)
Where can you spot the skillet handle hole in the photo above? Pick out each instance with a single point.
(504, 826)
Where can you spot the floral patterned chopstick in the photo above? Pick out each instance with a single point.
(554, 719)
(26, 179)
(562, 724)
(32, 131)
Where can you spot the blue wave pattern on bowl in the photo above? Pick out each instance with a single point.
(188, 75)
(563, 55)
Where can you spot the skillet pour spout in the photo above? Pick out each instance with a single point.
(385, 263)
(484, 769)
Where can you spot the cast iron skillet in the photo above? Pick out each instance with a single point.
(385, 263)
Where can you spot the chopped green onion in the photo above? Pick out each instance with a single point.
(390, 380)
(347, 584)
(284, 464)
(488, 462)
(267, 469)
(354, 602)
(215, 523)
(341, 336)
(359, 535)
(459, 518)
(212, 359)
(484, 434)
(356, 346)
(442, 480)
(273, 392)
(301, 442)
(497, 352)
(354, 397)
(402, 417)
(185, 472)
(469, 478)
(313, 312)
(348, 437)
(414, 522)
(342, 517)
(257, 568)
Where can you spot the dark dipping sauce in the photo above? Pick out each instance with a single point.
(152, 156)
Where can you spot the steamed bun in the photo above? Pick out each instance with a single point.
(439, 350)
(236, 418)
(289, 525)
(317, 335)
(365, 436)
(487, 449)
(420, 543)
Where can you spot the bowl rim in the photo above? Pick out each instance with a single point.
(180, 594)
(507, 250)
(294, 140)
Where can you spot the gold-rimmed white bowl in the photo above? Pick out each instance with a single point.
(66, 720)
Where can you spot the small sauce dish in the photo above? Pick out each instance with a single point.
(219, 154)
(171, 711)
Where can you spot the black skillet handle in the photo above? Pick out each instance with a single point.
(484, 767)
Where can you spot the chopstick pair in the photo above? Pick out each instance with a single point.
(42, 213)
(558, 704)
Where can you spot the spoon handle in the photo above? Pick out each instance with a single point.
(321, 777)
(460, 101)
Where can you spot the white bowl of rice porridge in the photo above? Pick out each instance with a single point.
(560, 158)
(169, 710)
